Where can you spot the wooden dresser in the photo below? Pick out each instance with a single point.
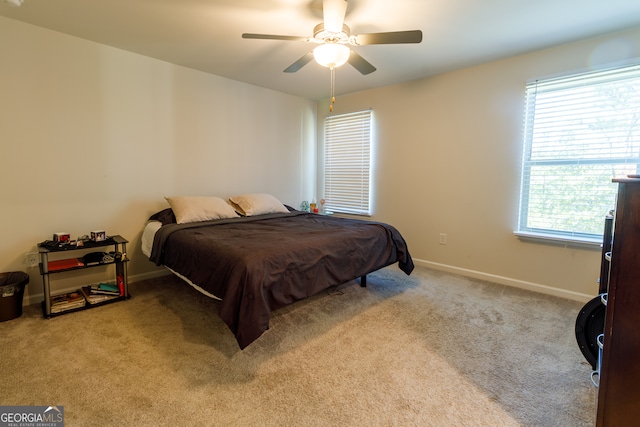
(619, 387)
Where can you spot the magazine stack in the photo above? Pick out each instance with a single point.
(68, 301)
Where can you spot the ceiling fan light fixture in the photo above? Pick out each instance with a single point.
(331, 55)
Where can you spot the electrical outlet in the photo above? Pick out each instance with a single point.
(443, 239)
(32, 259)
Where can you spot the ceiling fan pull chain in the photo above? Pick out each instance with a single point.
(333, 87)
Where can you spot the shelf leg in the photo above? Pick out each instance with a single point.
(46, 287)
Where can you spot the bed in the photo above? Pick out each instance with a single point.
(261, 260)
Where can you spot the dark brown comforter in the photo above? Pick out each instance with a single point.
(258, 264)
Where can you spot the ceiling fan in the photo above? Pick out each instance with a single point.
(333, 38)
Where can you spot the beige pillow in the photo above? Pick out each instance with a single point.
(257, 204)
(194, 208)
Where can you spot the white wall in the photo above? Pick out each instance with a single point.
(93, 137)
(448, 154)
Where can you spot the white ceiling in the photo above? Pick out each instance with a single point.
(206, 34)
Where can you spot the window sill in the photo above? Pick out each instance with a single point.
(566, 241)
(350, 214)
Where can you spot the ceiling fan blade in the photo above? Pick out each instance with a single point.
(299, 63)
(361, 64)
(274, 37)
(333, 12)
(395, 37)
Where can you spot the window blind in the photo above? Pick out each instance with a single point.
(580, 132)
(347, 163)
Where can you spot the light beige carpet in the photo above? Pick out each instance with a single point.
(431, 349)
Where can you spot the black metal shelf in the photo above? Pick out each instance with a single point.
(45, 248)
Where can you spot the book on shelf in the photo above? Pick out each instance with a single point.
(68, 301)
(63, 264)
(93, 298)
(104, 289)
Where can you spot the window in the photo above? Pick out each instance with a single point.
(347, 163)
(580, 132)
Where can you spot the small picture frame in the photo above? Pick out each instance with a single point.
(98, 235)
(61, 237)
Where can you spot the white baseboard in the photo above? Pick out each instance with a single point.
(149, 275)
(508, 281)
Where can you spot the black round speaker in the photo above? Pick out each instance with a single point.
(590, 324)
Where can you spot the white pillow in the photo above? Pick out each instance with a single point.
(194, 208)
(257, 204)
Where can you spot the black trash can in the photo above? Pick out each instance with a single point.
(11, 292)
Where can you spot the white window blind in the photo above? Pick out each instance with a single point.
(347, 163)
(580, 132)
